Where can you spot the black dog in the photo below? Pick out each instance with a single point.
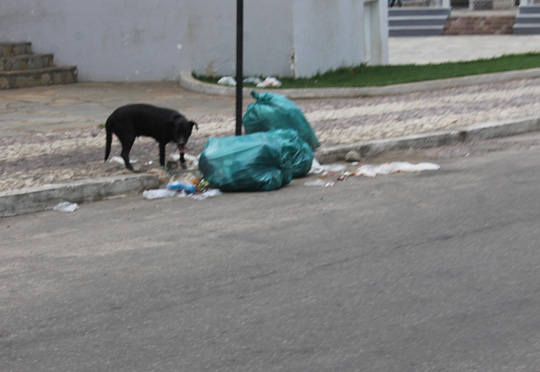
(164, 125)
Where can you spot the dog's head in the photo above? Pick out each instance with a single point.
(182, 129)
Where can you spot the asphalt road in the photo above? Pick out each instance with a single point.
(436, 271)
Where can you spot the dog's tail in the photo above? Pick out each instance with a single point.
(108, 140)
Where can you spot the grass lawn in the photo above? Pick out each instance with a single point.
(366, 76)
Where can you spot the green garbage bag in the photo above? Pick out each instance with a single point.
(255, 162)
(273, 111)
(297, 151)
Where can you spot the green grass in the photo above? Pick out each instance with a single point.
(366, 76)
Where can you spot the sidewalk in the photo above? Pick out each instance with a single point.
(438, 49)
(31, 119)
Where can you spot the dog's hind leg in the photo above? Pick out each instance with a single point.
(127, 143)
(108, 142)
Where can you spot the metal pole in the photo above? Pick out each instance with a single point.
(239, 63)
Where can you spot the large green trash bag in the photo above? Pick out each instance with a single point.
(273, 111)
(297, 151)
(255, 162)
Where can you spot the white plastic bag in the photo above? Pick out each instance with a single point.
(210, 193)
(317, 167)
(120, 160)
(388, 168)
(227, 80)
(66, 207)
(269, 82)
(159, 194)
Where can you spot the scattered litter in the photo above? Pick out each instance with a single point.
(388, 168)
(269, 82)
(158, 194)
(353, 156)
(315, 183)
(167, 193)
(184, 186)
(120, 160)
(210, 193)
(227, 80)
(318, 168)
(252, 80)
(338, 172)
(174, 161)
(319, 183)
(187, 182)
(66, 207)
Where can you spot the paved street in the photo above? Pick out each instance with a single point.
(434, 271)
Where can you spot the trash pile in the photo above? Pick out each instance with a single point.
(278, 146)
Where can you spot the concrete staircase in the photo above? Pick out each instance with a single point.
(528, 20)
(21, 68)
(417, 21)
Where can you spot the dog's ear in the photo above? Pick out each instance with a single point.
(193, 124)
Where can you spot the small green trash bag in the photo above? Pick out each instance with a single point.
(255, 162)
(273, 111)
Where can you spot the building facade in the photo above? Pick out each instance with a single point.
(152, 40)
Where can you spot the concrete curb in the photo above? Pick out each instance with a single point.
(37, 199)
(475, 132)
(187, 81)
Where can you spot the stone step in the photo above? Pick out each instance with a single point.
(417, 21)
(529, 9)
(526, 29)
(10, 49)
(418, 11)
(415, 31)
(528, 19)
(38, 77)
(26, 62)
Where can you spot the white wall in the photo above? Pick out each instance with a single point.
(327, 35)
(144, 40)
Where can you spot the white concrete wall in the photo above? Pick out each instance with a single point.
(130, 40)
(327, 35)
(267, 37)
(107, 40)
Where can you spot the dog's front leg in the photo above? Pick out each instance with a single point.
(162, 153)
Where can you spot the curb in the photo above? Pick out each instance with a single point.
(38, 199)
(475, 132)
(187, 81)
